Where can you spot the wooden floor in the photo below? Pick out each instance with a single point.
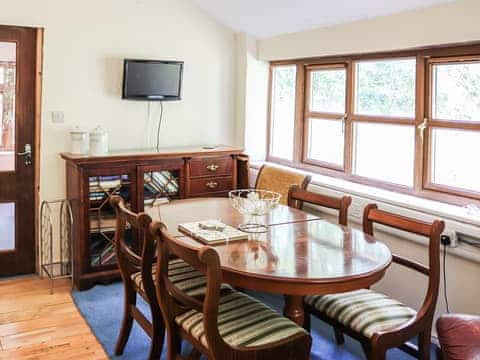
(37, 325)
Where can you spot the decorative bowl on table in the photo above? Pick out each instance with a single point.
(253, 203)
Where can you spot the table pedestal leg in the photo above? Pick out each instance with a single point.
(294, 309)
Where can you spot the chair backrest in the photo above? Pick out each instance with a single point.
(174, 301)
(129, 260)
(279, 180)
(297, 196)
(432, 231)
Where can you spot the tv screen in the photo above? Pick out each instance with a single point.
(152, 80)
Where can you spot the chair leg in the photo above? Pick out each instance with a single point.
(307, 324)
(194, 355)
(158, 336)
(367, 349)
(374, 351)
(173, 345)
(127, 322)
(339, 337)
(424, 343)
(379, 355)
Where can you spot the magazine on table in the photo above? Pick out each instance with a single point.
(211, 232)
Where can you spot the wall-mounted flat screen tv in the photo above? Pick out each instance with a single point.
(152, 80)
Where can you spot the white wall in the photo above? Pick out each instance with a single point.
(241, 84)
(447, 23)
(85, 44)
(252, 97)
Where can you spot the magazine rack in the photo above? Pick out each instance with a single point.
(55, 250)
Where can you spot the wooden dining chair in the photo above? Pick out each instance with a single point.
(231, 325)
(138, 272)
(279, 180)
(376, 320)
(298, 196)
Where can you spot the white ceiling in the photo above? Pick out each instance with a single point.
(266, 18)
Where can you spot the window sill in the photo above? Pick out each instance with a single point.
(457, 218)
(446, 211)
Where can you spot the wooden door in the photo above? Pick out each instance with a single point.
(18, 95)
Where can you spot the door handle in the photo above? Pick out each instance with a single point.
(422, 127)
(27, 154)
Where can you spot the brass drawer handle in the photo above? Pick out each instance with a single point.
(211, 184)
(212, 167)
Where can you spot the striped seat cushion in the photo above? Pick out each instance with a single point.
(364, 311)
(243, 322)
(182, 275)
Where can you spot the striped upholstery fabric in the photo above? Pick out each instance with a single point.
(182, 275)
(243, 322)
(364, 311)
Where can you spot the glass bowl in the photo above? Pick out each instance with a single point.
(253, 203)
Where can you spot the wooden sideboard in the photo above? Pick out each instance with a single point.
(142, 178)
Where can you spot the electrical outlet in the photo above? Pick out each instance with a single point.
(445, 240)
(58, 117)
(356, 211)
(449, 238)
(453, 239)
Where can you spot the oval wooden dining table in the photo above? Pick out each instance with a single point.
(301, 254)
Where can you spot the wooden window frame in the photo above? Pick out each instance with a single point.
(308, 114)
(380, 120)
(425, 56)
(270, 114)
(436, 123)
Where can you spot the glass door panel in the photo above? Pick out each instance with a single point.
(102, 216)
(8, 65)
(7, 226)
(160, 186)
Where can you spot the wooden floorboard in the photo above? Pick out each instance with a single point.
(37, 325)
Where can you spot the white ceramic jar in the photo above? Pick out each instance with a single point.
(98, 141)
(78, 141)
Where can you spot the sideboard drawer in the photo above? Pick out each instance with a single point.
(211, 166)
(210, 185)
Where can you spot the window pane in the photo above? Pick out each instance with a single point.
(385, 88)
(327, 91)
(452, 162)
(8, 53)
(385, 152)
(326, 140)
(283, 111)
(456, 91)
(7, 226)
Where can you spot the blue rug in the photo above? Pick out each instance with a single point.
(102, 307)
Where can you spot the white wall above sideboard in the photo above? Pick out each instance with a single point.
(85, 44)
